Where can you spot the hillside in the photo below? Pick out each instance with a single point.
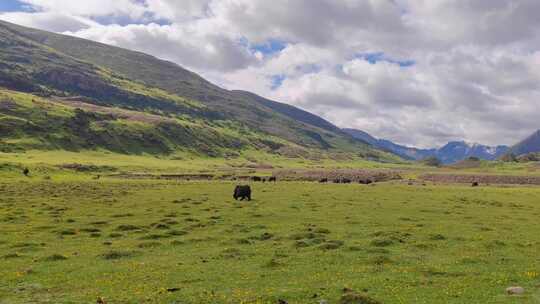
(450, 153)
(130, 102)
(530, 144)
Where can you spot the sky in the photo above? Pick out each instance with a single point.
(418, 72)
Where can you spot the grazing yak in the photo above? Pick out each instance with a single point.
(26, 171)
(323, 180)
(342, 181)
(242, 192)
(272, 179)
(475, 184)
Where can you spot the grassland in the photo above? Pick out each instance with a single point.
(72, 239)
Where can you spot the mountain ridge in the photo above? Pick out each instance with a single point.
(49, 66)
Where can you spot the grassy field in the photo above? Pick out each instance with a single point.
(74, 240)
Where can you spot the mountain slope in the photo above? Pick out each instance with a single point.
(86, 74)
(386, 145)
(529, 145)
(450, 153)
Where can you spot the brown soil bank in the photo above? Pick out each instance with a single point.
(353, 175)
(482, 179)
(186, 177)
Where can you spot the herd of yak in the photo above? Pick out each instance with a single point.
(242, 192)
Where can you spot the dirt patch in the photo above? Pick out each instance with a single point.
(330, 175)
(87, 168)
(482, 179)
(186, 177)
(355, 176)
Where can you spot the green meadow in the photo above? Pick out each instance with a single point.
(68, 238)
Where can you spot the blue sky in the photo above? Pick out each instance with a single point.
(270, 47)
(373, 58)
(10, 6)
(277, 81)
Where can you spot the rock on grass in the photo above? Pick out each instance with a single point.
(515, 290)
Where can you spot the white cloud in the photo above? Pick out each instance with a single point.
(50, 21)
(91, 8)
(476, 74)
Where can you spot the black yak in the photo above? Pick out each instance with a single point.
(242, 192)
(365, 181)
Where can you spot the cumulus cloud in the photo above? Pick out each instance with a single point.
(92, 8)
(50, 21)
(417, 72)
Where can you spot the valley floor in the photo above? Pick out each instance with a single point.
(156, 241)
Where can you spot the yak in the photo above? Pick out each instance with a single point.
(242, 192)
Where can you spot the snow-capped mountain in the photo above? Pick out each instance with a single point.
(450, 153)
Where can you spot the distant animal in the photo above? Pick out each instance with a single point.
(272, 179)
(345, 181)
(365, 181)
(256, 178)
(263, 180)
(242, 192)
(100, 300)
(26, 171)
(323, 180)
(475, 184)
(336, 181)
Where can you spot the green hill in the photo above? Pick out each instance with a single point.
(61, 92)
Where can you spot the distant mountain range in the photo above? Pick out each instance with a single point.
(450, 153)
